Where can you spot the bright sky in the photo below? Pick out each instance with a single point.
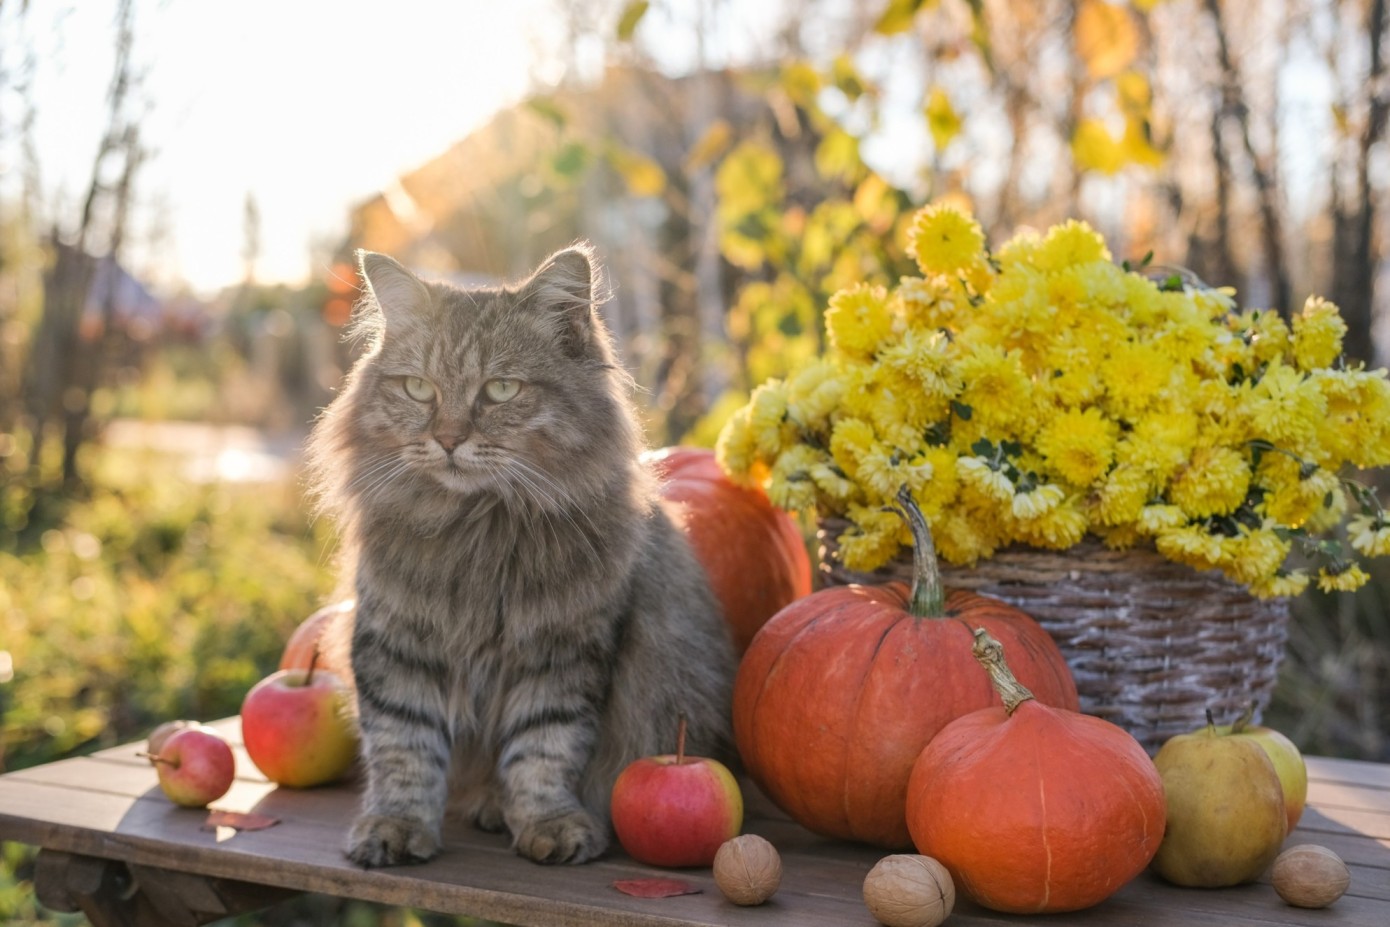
(308, 106)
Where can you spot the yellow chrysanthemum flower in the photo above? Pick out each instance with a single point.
(1135, 376)
(1281, 585)
(767, 419)
(1255, 555)
(1122, 496)
(790, 484)
(1060, 527)
(995, 387)
(1285, 408)
(1190, 544)
(945, 240)
(1293, 494)
(873, 538)
(1317, 334)
(859, 320)
(1369, 535)
(1036, 502)
(1160, 517)
(1078, 445)
(990, 483)
(1347, 580)
(1214, 482)
(1072, 242)
(735, 449)
(814, 392)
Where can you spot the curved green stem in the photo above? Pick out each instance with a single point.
(928, 596)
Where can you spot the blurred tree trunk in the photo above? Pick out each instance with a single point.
(1353, 237)
(1235, 110)
(63, 366)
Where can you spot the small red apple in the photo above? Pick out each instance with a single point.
(676, 810)
(295, 727)
(1288, 761)
(195, 766)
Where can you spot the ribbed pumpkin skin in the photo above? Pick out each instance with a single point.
(753, 552)
(841, 690)
(1043, 812)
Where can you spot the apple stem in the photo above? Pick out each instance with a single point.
(155, 758)
(313, 661)
(1245, 718)
(680, 741)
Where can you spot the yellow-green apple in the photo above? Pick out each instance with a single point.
(1288, 762)
(676, 810)
(1225, 809)
(195, 766)
(295, 726)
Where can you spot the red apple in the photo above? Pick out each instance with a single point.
(195, 767)
(676, 810)
(313, 636)
(295, 726)
(1288, 761)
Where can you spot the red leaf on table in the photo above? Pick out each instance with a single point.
(239, 820)
(655, 888)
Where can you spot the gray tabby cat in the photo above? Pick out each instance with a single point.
(529, 619)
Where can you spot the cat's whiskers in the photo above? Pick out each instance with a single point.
(557, 491)
(378, 485)
(529, 481)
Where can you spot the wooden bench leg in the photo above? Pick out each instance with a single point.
(115, 894)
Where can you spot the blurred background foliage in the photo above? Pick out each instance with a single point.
(155, 548)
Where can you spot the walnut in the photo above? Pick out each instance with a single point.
(747, 869)
(909, 891)
(1310, 876)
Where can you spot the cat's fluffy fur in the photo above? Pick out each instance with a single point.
(528, 619)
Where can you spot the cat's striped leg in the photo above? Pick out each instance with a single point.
(549, 727)
(401, 702)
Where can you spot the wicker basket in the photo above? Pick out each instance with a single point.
(1152, 644)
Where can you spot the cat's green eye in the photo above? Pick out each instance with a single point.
(419, 389)
(502, 389)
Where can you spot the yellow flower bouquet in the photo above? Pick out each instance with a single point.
(1042, 392)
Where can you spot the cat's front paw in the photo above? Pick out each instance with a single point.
(376, 841)
(572, 837)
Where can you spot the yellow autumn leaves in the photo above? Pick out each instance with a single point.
(1040, 393)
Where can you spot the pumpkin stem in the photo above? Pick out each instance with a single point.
(680, 741)
(1245, 718)
(990, 653)
(928, 597)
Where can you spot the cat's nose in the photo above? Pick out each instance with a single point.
(449, 441)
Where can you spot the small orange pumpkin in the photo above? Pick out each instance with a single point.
(753, 552)
(1032, 809)
(841, 690)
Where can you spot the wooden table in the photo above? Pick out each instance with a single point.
(114, 847)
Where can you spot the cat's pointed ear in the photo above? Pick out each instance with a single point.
(566, 285)
(399, 294)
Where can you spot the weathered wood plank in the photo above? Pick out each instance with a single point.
(109, 806)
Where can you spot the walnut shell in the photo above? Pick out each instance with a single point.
(1310, 876)
(905, 890)
(747, 869)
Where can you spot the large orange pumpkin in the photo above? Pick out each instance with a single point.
(841, 690)
(1032, 809)
(753, 552)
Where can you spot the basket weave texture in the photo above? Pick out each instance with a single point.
(1152, 644)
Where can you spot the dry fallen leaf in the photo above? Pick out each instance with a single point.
(239, 820)
(655, 888)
